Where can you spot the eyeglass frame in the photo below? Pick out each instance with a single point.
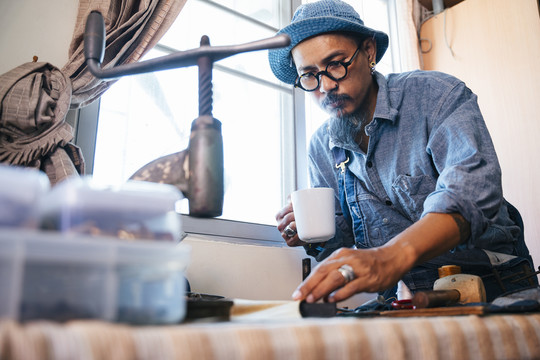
(318, 75)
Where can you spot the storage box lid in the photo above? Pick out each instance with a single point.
(22, 185)
(20, 191)
(132, 197)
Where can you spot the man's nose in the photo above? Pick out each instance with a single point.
(326, 84)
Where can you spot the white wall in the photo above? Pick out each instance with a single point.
(496, 50)
(243, 271)
(220, 266)
(36, 27)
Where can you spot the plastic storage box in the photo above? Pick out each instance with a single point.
(20, 191)
(47, 275)
(133, 210)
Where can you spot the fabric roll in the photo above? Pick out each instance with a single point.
(34, 101)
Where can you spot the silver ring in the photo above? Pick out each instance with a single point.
(290, 232)
(347, 272)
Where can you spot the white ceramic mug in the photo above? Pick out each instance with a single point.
(314, 211)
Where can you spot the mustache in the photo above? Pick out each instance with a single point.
(332, 98)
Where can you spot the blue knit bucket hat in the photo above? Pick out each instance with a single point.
(317, 18)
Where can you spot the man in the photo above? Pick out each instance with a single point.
(416, 177)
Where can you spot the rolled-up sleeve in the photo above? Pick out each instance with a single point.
(463, 153)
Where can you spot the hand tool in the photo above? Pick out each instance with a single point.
(198, 170)
(452, 289)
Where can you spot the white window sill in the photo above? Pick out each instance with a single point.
(233, 231)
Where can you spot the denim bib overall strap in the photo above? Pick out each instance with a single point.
(346, 181)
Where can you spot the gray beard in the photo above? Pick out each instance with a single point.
(344, 130)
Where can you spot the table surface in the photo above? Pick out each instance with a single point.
(503, 336)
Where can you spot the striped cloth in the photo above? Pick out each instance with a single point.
(459, 337)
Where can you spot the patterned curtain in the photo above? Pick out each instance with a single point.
(35, 97)
(408, 27)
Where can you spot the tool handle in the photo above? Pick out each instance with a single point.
(94, 37)
(95, 41)
(205, 180)
(435, 298)
(306, 268)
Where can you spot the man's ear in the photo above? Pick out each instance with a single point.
(370, 47)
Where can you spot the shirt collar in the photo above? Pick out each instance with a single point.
(383, 109)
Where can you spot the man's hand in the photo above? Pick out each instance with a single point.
(380, 268)
(284, 218)
(374, 270)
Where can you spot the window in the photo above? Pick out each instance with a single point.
(147, 116)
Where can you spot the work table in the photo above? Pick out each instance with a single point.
(502, 336)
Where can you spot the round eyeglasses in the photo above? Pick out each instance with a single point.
(335, 70)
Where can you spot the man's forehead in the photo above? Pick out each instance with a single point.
(331, 37)
(321, 48)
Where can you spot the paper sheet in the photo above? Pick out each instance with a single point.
(254, 310)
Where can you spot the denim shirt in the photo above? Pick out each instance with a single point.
(429, 151)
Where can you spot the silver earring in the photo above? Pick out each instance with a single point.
(372, 67)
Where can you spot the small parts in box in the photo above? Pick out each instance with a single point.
(44, 275)
(133, 210)
(59, 290)
(100, 225)
(20, 191)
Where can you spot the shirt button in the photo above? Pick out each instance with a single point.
(388, 202)
(385, 221)
(369, 164)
